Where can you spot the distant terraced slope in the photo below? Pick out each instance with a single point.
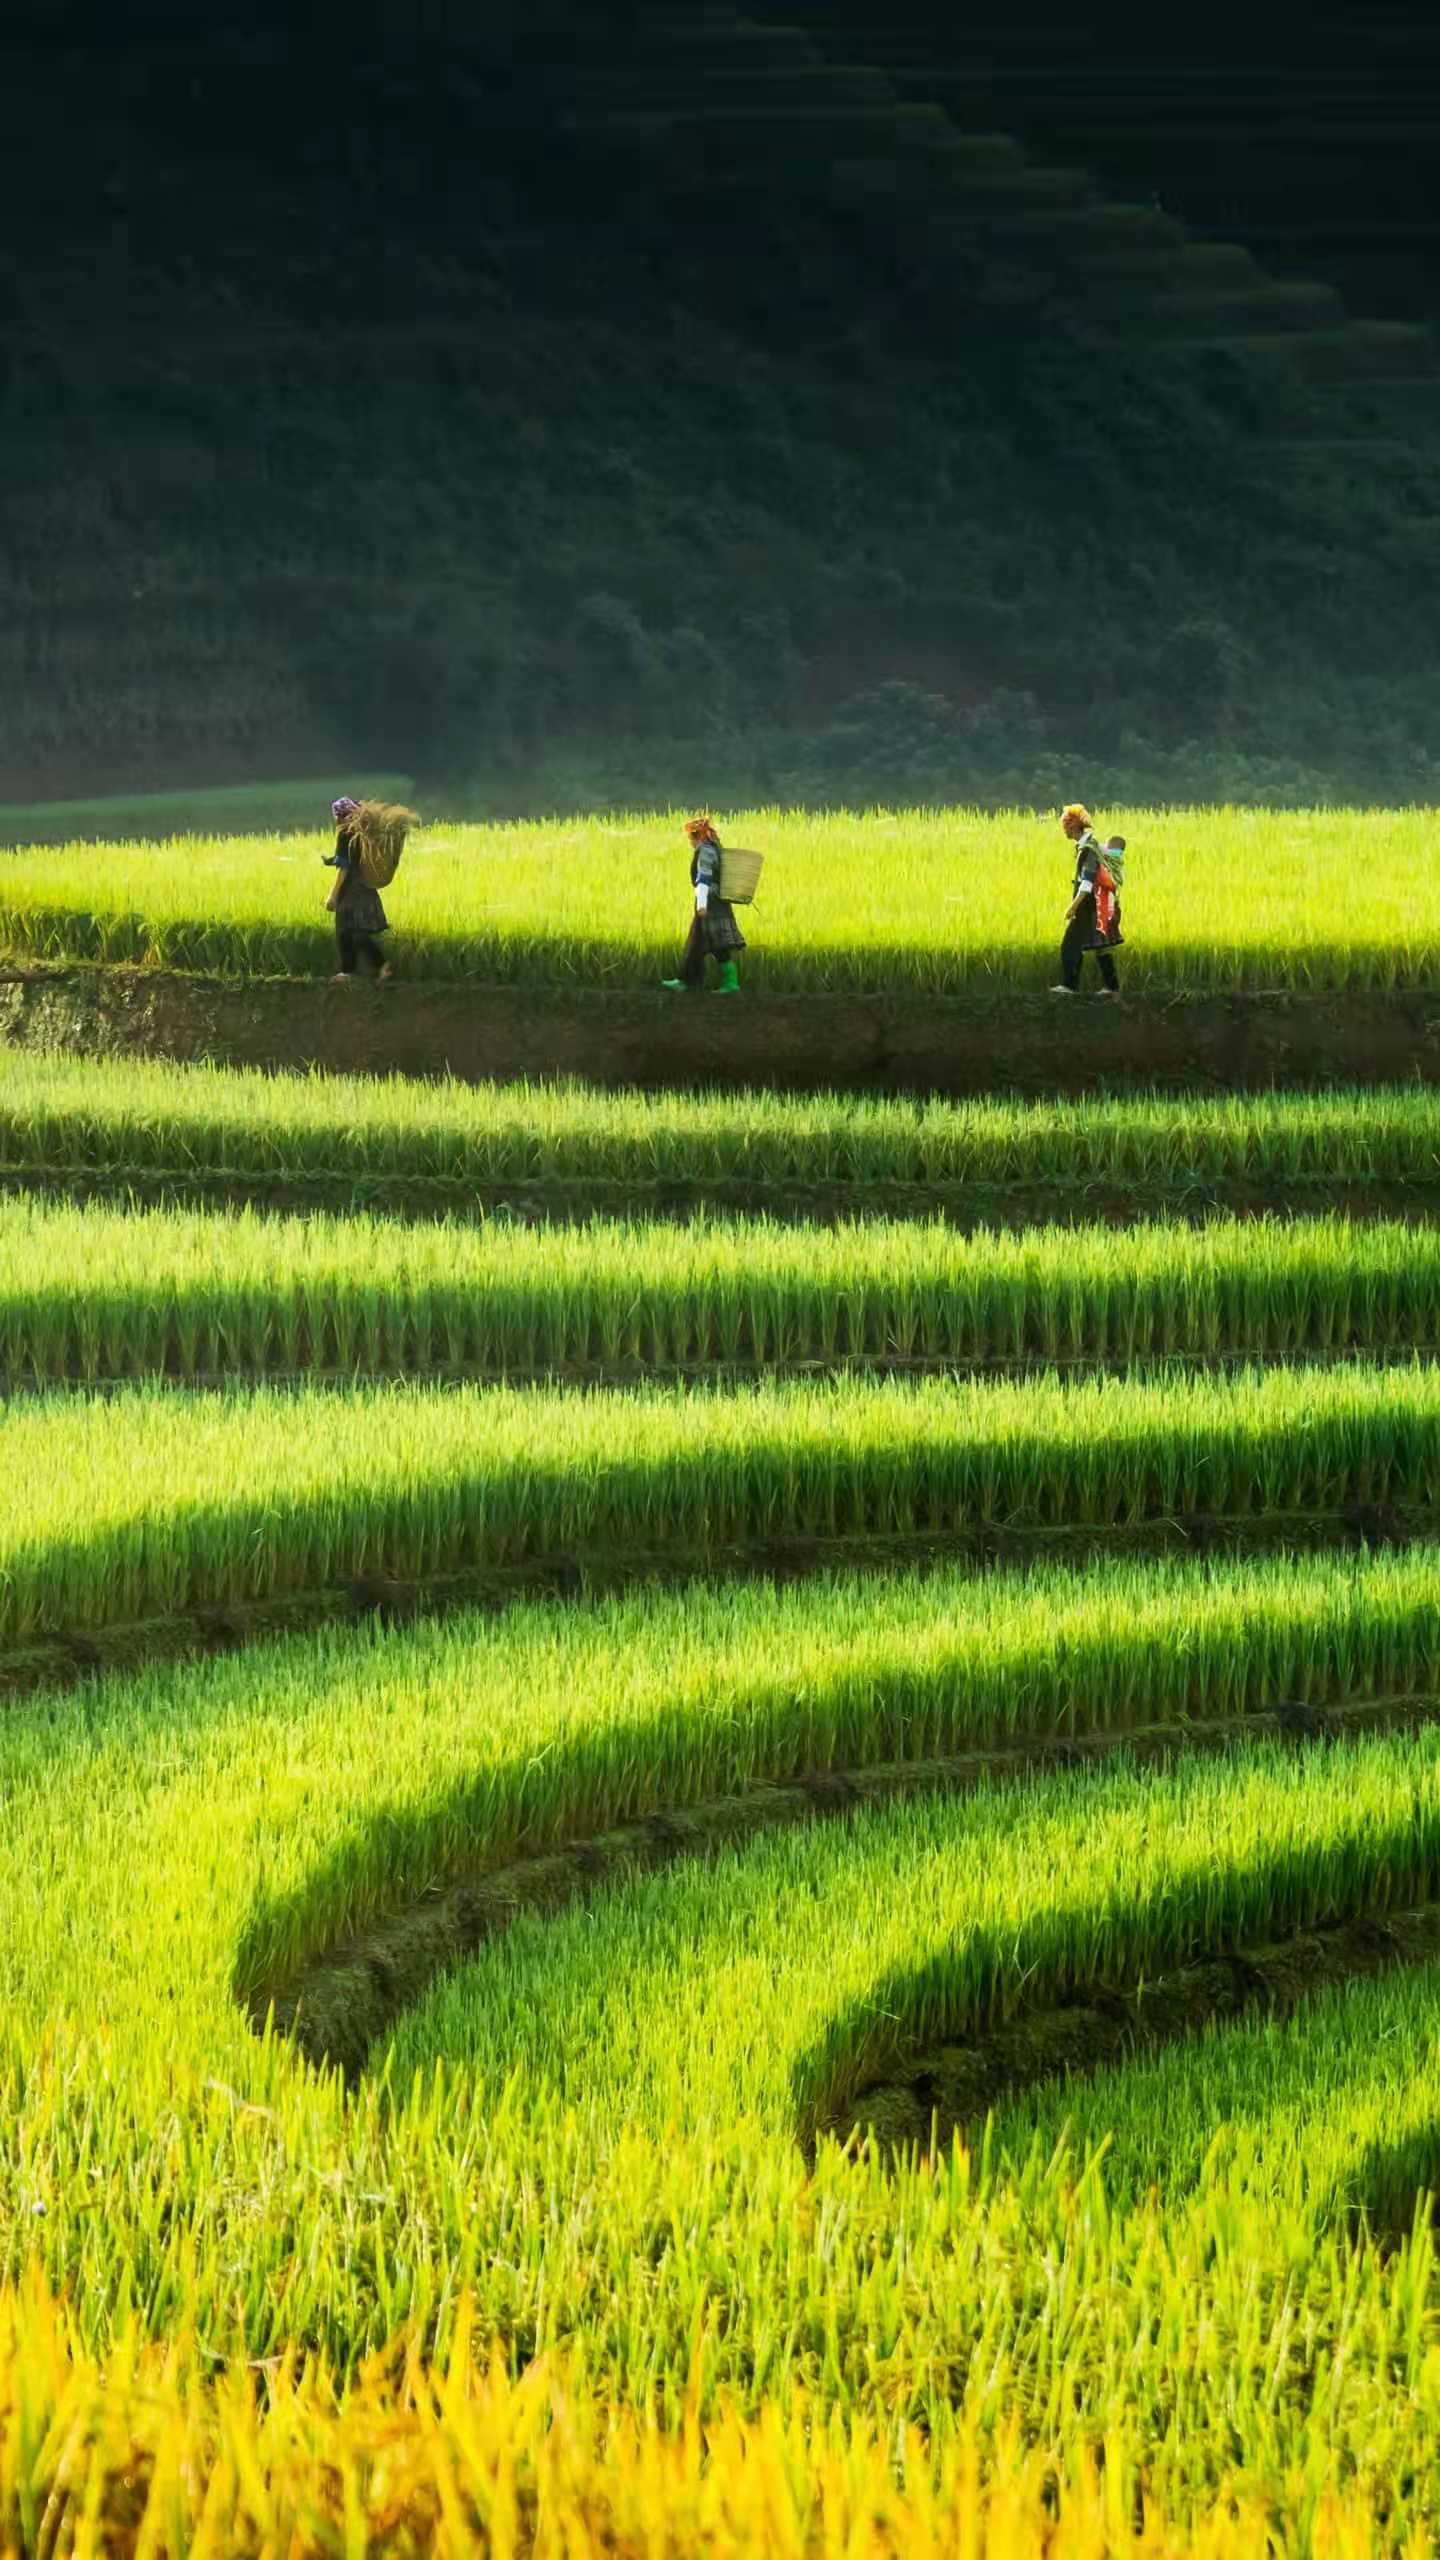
(1318, 155)
(915, 128)
(625, 391)
(910, 1910)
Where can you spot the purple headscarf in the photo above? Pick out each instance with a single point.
(340, 810)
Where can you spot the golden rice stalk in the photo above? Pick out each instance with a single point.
(155, 2457)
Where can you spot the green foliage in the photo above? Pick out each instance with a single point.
(101, 1296)
(170, 1840)
(909, 901)
(727, 385)
(115, 1511)
(74, 1117)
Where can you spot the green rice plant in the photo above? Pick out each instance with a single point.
(556, 1724)
(771, 1984)
(588, 2144)
(189, 1294)
(116, 1510)
(1347, 2087)
(102, 1295)
(170, 2169)
(73, 1117)
(932, 901)
(154, 2438)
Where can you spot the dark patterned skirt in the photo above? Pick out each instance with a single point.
(359, 909)
(719, 931)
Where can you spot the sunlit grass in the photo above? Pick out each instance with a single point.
(610, 2167)
(79, 1115)
(104, 1294)
(919, 901)
(118, 1509)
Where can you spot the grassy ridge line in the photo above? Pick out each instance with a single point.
(77, 1656)
(342, 2003)
(956, 2088)
(508, 1738)
(914, 901)
(708, 1373)
(97, 1295)
(144, 1505)
(154, 2152)
(790, 1975)
(966, 1208)
(78, 1116)
(155, 2442)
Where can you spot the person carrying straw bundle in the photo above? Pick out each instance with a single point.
(369, 840)
(714, 933)
(1092, 919)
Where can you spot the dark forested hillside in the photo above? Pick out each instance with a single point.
(1312, 137)
(591, 401)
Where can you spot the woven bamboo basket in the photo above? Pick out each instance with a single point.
(739, 875)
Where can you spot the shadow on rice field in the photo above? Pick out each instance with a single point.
(339, 2006)
(544, 1201)
(950, 2090)
(74, 1655)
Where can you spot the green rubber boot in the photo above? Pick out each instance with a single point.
(729, 979)
(676, 985)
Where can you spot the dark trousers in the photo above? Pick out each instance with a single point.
(1072, 951)
(359, 952)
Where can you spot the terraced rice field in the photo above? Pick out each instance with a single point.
(920, 901)
(720, 1822)
(146, 1130)
(208, 1299)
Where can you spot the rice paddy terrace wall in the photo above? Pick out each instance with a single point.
(1254, 142)
(645, 2079)
(907, 951)
(912, 130)
(762, 1894)
(791, 1044)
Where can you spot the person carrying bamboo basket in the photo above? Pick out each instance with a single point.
(714, 933)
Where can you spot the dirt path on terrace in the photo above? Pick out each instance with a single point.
(946, 1045)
